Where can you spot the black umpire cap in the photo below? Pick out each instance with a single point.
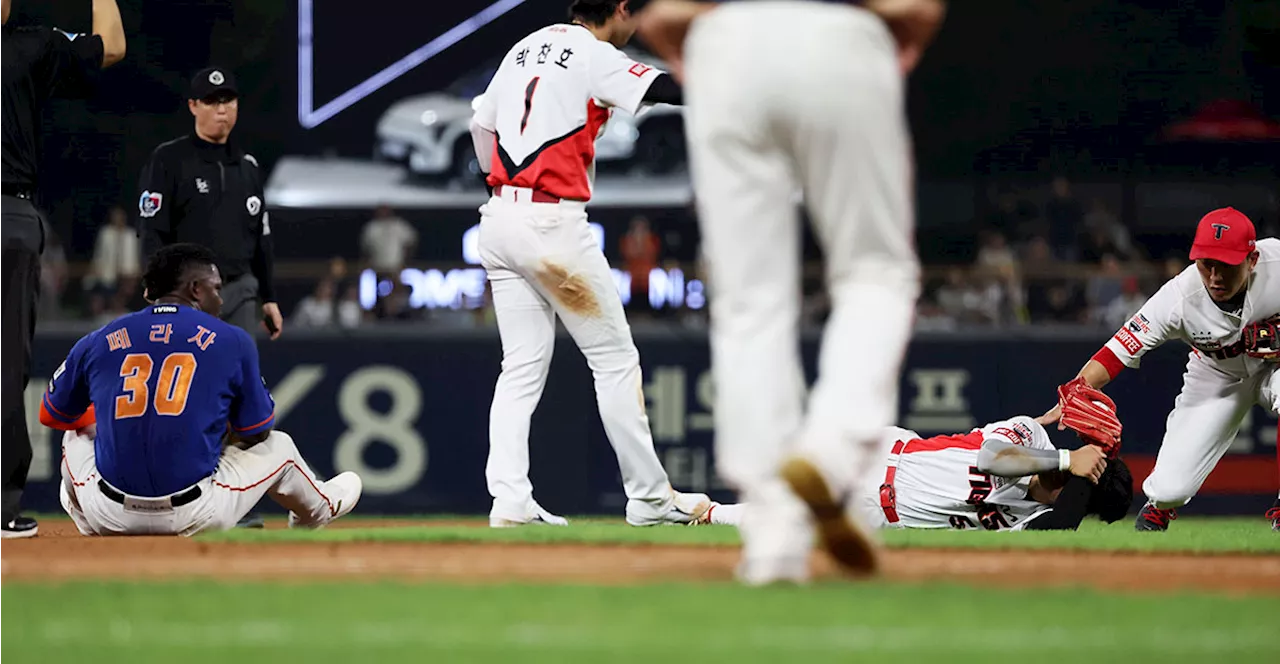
(213, 82)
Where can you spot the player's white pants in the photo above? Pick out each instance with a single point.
(543, 261)
(784, 98)
(1205, 420)
(273, 467)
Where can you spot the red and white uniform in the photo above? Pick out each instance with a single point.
(1221, 383)
(546, 104)
(936, 482)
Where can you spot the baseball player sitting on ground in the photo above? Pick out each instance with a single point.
(534, 131)
(146, 401)
(1006, 475)
(1226, 307)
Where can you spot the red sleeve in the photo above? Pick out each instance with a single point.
(1107, 358)
(47, 419)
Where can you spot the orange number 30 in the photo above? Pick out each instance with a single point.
(172, 389)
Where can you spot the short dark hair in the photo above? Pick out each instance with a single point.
(168, 267)
(593, 12)
(1113, 496)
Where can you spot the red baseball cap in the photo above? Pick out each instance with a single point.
(1224, 235)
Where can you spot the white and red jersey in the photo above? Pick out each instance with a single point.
(547, 103)
(1182, 309)
(937, 484)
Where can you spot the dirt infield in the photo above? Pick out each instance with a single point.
(61, 554)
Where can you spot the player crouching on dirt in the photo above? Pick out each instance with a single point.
(146, 400)
(1007, 475)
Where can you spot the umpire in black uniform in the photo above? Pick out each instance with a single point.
(204, 189)
(39, 63)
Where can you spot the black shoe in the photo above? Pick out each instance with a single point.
(251, 520)
(1273, 515)
(1153, 519)
(20, 527)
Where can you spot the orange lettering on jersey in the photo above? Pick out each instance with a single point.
(118, 340)
(160, 333)
(203, 338)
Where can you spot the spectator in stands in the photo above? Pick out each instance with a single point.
(350, 315)
(1172, 267)
(640, 252)
(930, 317)
(1011, 214)
(1122, 308)
(1101, 223)
(318, 309)
(1106, 285)
(994, 251)
(1064, 215)
(387, 242)
(116, 260)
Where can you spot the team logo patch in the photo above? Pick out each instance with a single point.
(216, 77)
(202, 185)
(150, 202)
(1130, 343)
(253, 204)
(638, 70)
(1139, 323)
(71, 36)
(1016, 435)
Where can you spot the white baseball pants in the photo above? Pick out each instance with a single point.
(786, 98)
(1205, 420)
(543, 261)
(273, 468)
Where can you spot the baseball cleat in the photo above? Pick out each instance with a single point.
(537, 517)
(843, 538)
(20, 527)
(345, 490)
(1273, 515)
(685, 508)
(251, 520)
(1154, 519)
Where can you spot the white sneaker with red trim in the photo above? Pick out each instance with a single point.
(344, 490)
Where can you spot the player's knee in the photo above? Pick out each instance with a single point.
(1168, 494)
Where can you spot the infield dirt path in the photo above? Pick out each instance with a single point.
(61, 554)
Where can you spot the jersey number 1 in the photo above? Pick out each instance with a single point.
(172, 388)
(528, 101)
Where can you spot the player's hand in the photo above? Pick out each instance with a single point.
(663, 25)
(1088, 462)
(271, 312)
(914, 23)
(1054, 415)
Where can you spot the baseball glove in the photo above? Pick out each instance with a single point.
(1261, 340)
(1091, 414)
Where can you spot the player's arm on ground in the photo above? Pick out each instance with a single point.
(156, 191)
(253, 411)
(1069, 509)
(66, 405)
(1020, 447)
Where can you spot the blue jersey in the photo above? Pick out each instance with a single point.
(164, 383)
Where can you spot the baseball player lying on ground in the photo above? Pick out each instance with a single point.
(145, 402)
(1007, 475)
(1227, 308)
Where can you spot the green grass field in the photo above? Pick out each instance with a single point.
(832, 621)
(1191, 535)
